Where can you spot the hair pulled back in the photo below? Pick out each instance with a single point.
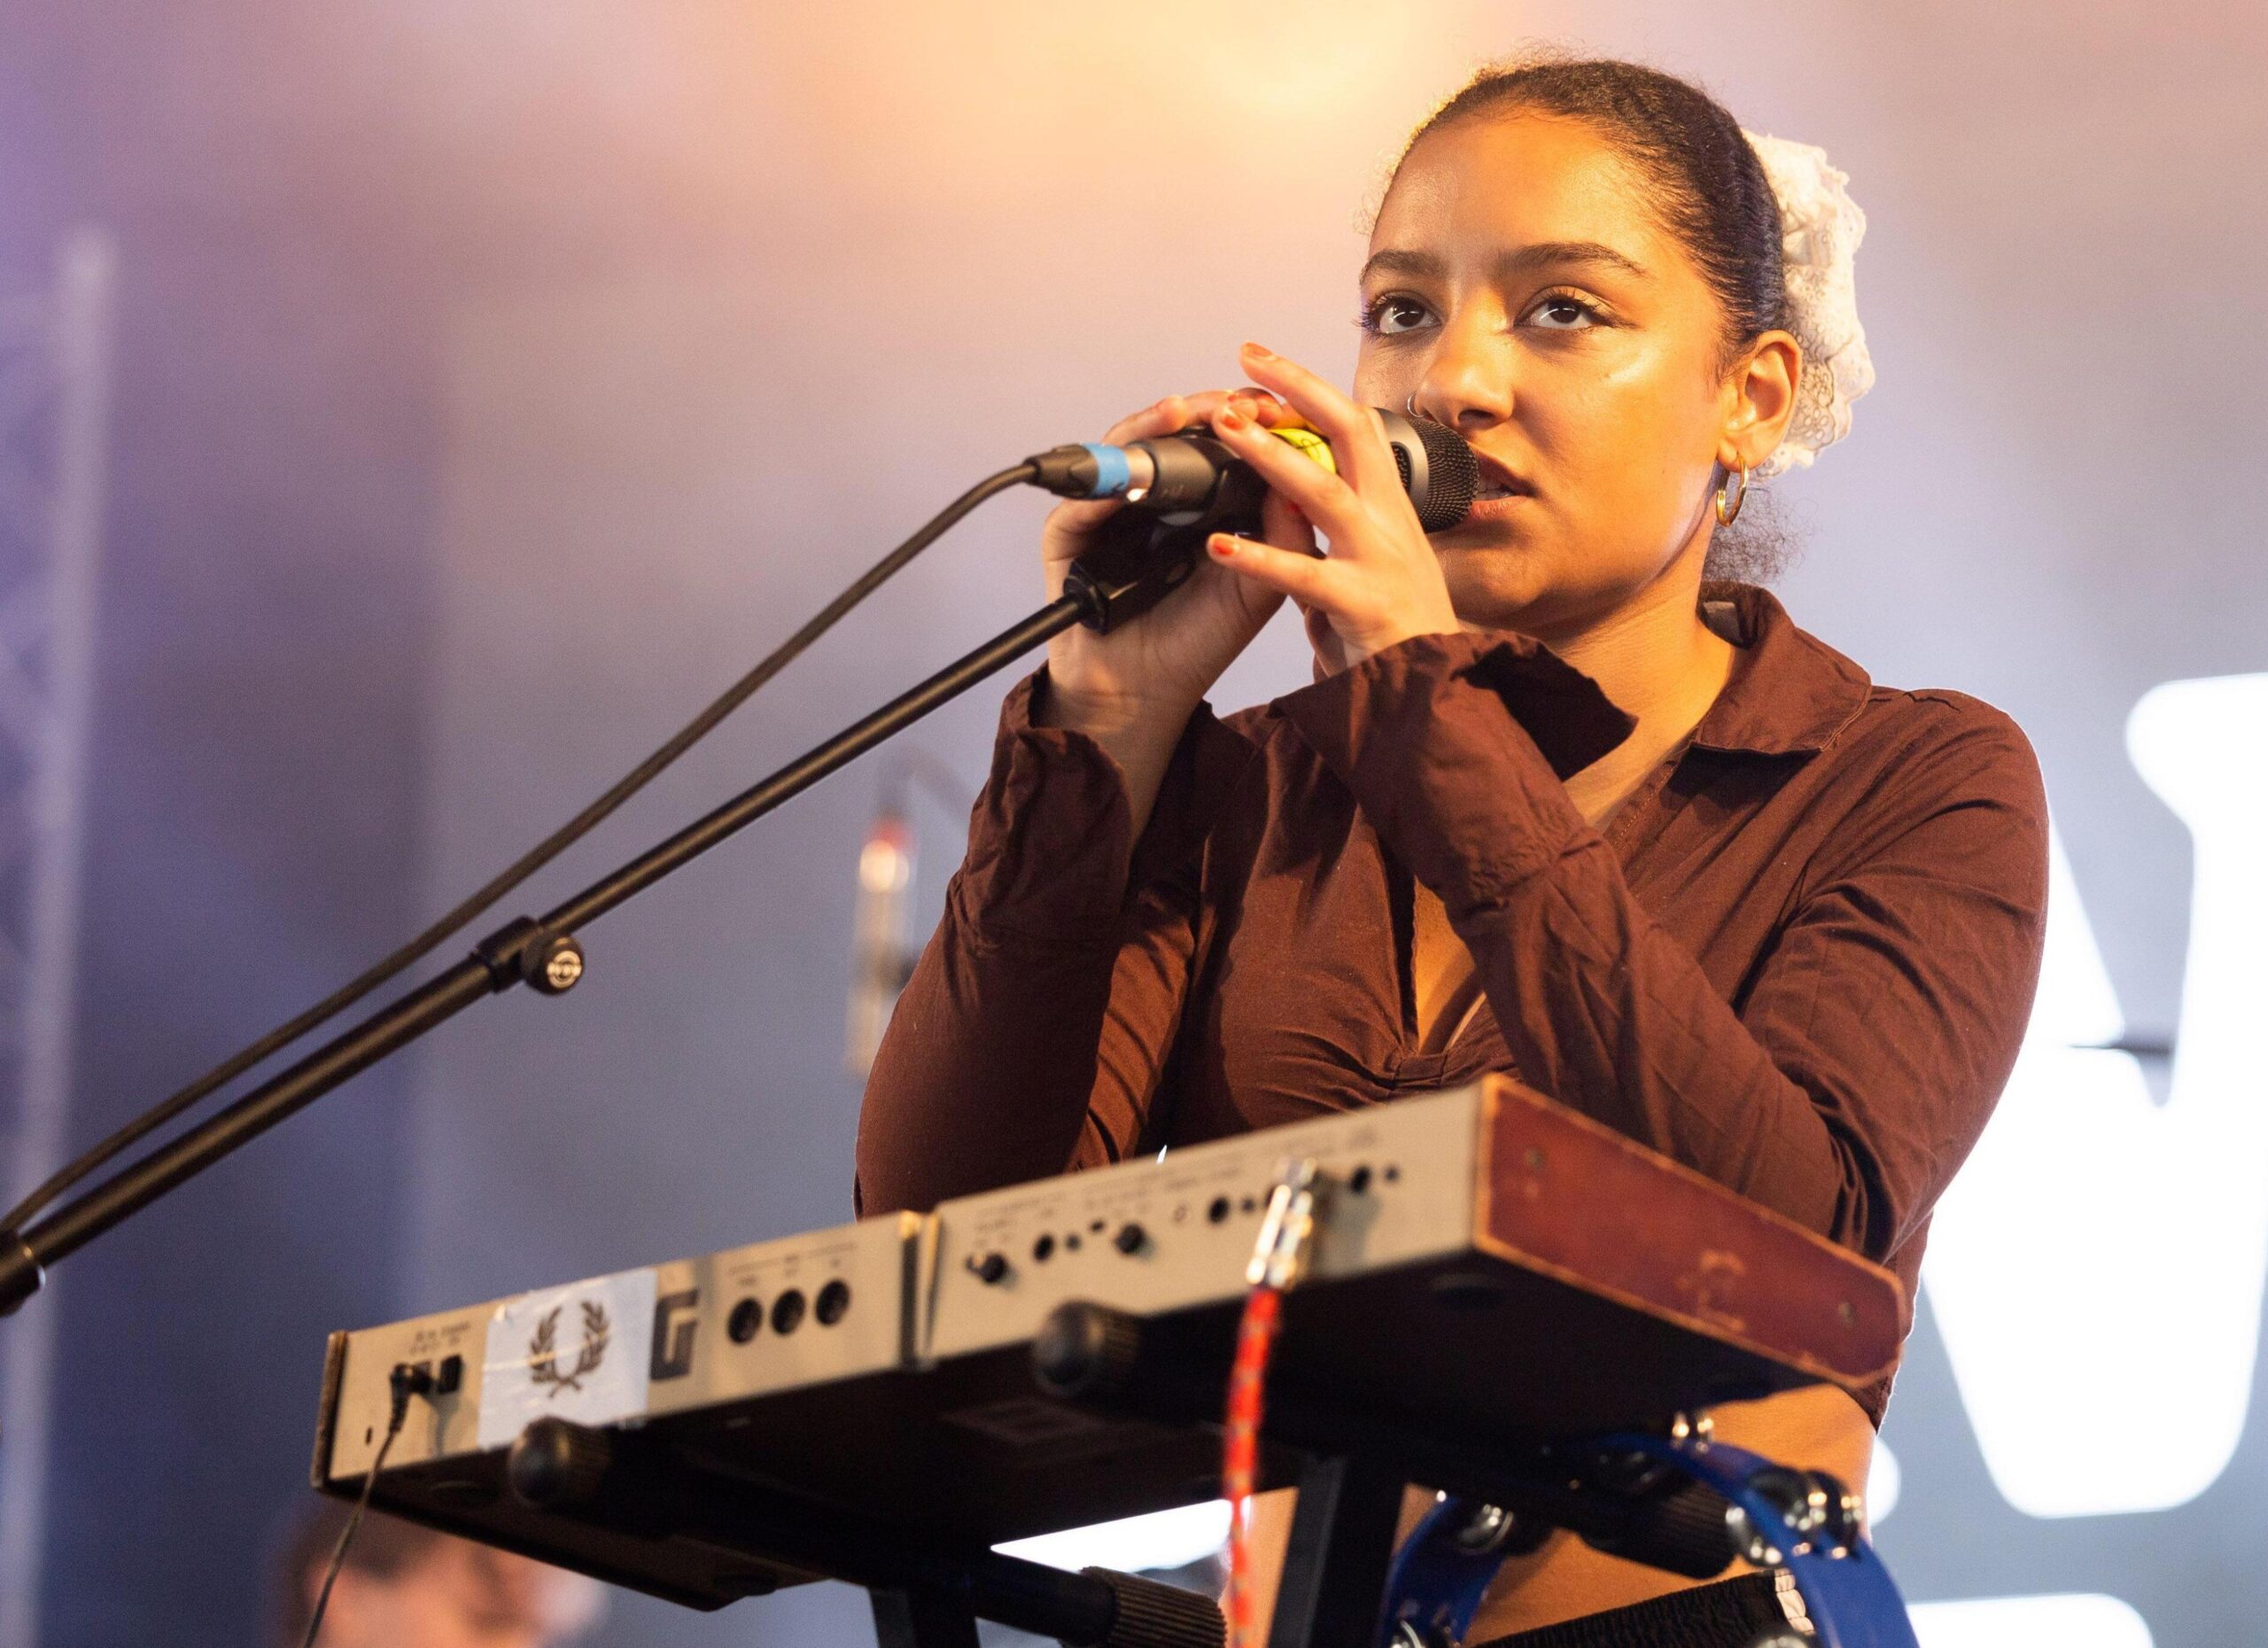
(1703, 183)
(1699, 175)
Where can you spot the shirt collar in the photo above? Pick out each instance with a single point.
(1790, 692)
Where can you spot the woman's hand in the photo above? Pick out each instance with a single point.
(1132, 690)
(1168, 659)
(1381, 583)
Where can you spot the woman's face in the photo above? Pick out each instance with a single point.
(1519, 286)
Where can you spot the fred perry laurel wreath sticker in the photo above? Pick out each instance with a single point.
(577, 1352)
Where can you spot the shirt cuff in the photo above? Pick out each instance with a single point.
(1455, 747)
(1049, 859)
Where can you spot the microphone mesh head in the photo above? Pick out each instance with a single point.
(1452, 476)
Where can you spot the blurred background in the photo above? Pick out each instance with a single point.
(416, 410)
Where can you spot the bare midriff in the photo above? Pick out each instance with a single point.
(1818, 1427)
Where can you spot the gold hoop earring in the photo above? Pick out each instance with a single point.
(1732, 495)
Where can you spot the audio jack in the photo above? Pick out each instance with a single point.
(408, 1380)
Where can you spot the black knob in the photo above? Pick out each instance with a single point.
(1148, 1615)
(1130, 1239)
(1085, 1349)
(991, 1268)
(556, 966)
(557, 1463)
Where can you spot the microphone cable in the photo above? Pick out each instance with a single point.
(542, 853)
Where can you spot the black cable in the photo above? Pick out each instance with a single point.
(407, 1380)
(527, 865)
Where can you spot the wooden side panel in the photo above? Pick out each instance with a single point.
(1568, 1196)
(334, 1370)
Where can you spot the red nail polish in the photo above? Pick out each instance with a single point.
(1222, 548)
(1230, 418)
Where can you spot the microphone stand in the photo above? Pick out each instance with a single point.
(1137, 560)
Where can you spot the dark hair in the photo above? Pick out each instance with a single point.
(1703, 182)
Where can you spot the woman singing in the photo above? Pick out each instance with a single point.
(1784, 928)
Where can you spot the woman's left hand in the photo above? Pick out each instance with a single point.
(1381, 583)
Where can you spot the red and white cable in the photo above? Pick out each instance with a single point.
(1278, 1256)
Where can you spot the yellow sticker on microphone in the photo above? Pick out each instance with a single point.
(1306, 441)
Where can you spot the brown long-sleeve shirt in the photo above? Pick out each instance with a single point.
(1799, 959)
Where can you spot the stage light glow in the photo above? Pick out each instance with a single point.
(2100, 1254)
(1883, 1481)
(1162, 1539)
(2076, 1621)
(1122, 116)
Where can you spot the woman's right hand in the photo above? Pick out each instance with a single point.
(1137, 686)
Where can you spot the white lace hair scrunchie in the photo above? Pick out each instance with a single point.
(1821, 227)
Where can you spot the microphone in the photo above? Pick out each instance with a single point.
(1182, 486)
(1192, 474)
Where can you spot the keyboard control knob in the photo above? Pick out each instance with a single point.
(990, 1268)
(1130, 1238)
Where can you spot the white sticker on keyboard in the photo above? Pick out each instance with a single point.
(577, 1352)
